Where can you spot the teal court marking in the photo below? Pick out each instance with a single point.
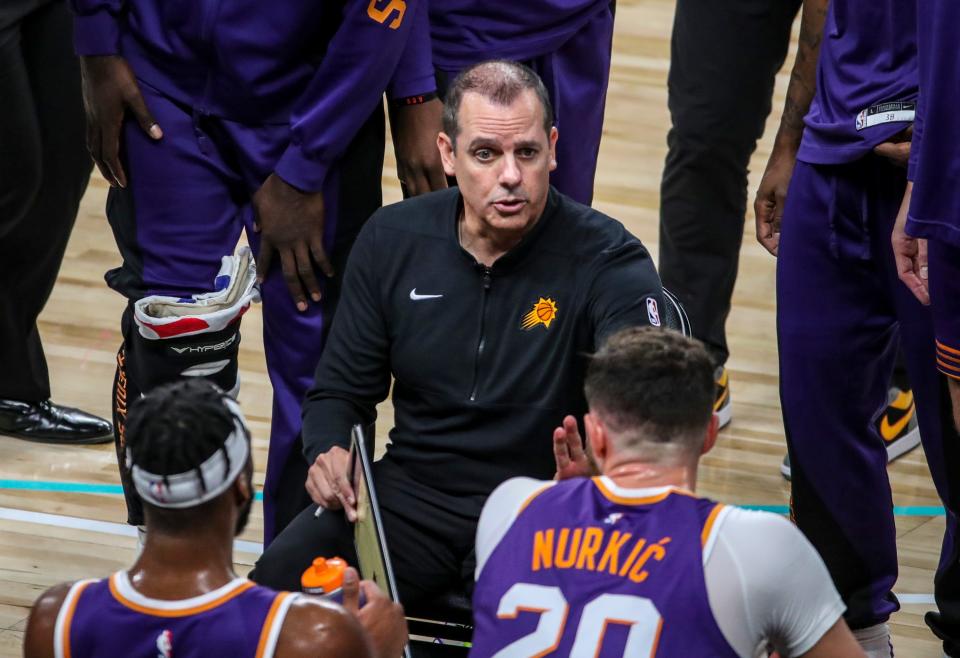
(906, 510)
(116, 490)
(69, 487)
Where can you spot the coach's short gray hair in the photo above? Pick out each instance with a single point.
(498, 80)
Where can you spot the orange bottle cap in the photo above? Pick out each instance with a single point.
(324, 574)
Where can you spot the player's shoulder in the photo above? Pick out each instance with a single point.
(759, 541)
(313, 626)
(38, 641)
(736, 522)
(423, 214)
(517, 491)
(502, 508)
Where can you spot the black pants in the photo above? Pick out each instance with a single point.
(724, 57)
(44, 169)
(430, 536)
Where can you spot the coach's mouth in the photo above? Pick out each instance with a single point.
(510, 205)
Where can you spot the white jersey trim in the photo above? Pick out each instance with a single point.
(276, 624)
(65, 617)
(715, 532)
(121, 581)
(641, 493)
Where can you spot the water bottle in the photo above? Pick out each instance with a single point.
(324, 577)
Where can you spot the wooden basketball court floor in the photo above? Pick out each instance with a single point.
(60, 508)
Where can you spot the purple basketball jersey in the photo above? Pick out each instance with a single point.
(108, 618)
(585, 572)
(866, 80)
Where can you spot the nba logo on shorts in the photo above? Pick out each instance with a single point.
(653, 314)
(165, 645)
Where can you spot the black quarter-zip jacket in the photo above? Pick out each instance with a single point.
(486, 361)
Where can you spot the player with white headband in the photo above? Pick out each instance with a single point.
(188, 450)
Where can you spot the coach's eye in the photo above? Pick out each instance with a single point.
(484, 155)
(527, 153)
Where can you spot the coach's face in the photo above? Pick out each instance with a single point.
(502, 161)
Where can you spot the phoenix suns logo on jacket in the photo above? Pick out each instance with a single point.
(544, 312)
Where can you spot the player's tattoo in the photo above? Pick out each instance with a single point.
(803, 77)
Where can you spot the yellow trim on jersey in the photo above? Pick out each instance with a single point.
(185, 612)
(649, 500)
(68, 619)
(708, 525)
(268, 623)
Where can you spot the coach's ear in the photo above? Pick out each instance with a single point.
(710, 439)
(447, 154)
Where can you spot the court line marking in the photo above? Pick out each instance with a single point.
(69, 487)
(116, 490)
(102, 527)
(240, 546)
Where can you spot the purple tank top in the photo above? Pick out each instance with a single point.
(866, 80)
(585, 572)
(107, 618)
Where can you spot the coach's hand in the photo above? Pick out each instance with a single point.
(910, 253)
(380, 617)
(290, 223)
(772, 197)
(110, 90)
(415, 129)
(328, 482)
(897, 148)
(572, 461)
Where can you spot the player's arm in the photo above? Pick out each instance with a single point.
(838, 642)
(110, 89)
(38, 641)
(347, 87)
(353, 376)
(359, 63)
(416, 113)
(772, 194)
(315, 628)
(96, 26)
(775, 576)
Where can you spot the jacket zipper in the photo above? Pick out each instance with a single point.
(482, 342)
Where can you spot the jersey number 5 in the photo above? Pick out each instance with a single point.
(381, 15)
(638, 613)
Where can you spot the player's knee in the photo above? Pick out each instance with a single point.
(209, 354)
(197, 336)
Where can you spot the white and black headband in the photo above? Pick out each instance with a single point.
(203, 483)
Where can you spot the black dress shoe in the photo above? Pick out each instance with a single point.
(51, 423)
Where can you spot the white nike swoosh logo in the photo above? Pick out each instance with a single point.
(414, 296)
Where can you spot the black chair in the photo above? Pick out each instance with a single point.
(674, 315)
(443, 628)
